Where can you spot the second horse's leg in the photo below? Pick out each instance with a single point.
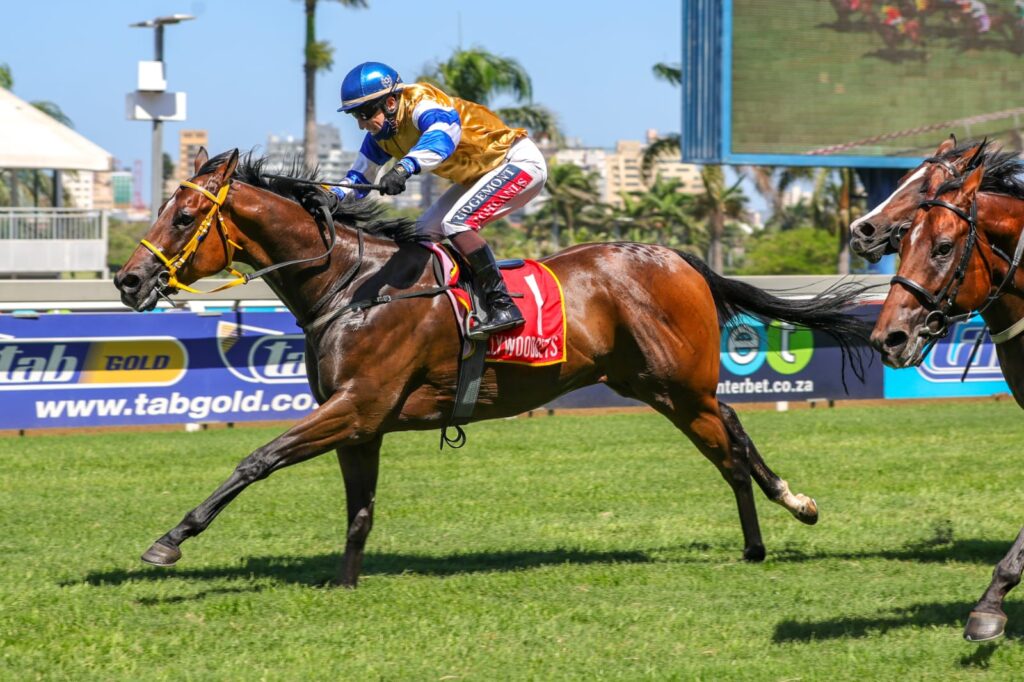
(359, 466)
(801, 506)
(987, 620)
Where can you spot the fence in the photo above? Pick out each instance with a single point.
(35, 240)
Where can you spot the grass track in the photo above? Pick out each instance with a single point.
(598, 547)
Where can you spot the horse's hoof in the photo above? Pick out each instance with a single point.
(160, 554)
(983, 627)
(808, 511)
(755, 553)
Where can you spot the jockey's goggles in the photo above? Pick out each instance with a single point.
(368, 110)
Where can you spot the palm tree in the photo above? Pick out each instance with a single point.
(571, 191)
(670, 214)
(319, 57)
(717, 204)
(667, 145)
(478, 75)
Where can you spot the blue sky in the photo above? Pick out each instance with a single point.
(240, 62)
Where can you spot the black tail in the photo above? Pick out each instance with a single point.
(824, 312)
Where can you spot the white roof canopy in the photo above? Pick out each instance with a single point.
(31, 139)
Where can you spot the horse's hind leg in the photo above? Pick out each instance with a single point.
(704, 426)
(710, 434)
(804, 508)
(359, 466)
(987, 619)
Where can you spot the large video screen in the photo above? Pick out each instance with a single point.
(868, 78)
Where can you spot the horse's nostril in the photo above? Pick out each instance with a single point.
(865, 230)
(128, 283)
(895, 340)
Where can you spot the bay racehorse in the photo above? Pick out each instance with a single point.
(642, 319)
(961, 255)
(877, 233)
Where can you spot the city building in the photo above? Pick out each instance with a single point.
(122, 186)
(620, 169)
(79, 188)
(285, 151)
(189, 142)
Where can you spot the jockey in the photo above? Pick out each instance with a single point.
(494, 170)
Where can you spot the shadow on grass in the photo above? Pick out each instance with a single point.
(948, 614)
(318, 570)
(971, 551)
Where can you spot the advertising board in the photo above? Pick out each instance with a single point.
(113, 369)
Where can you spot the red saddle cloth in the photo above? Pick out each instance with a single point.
(538, 295)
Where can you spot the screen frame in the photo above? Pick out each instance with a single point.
(726, 153)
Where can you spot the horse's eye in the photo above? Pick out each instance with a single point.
(184, 219)
(943, 249)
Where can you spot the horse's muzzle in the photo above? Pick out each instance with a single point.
(140, 290)
(869, 242)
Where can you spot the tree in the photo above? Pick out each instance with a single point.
(669, 215)
(717, 204)
(478, 75)
(319, 56)
(571, 191)
(667, 145)
(800, 251)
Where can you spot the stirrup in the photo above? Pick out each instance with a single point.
(483, 330)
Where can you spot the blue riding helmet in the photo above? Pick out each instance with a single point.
(367, 82)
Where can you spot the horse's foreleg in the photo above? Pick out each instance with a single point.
(801, 506)
(359, 466)
(331, 424)
(987, 619)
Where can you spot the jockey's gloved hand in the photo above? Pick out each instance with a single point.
(394, 180)
(315, 198)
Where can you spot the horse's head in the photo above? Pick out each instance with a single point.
(178, 249)
(878, 233)
(943, 274)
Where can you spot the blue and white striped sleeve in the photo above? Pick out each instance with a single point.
(440, 131)
(368, 162)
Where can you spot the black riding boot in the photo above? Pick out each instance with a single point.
(500, 313)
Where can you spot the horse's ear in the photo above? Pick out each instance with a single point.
(229, 167)
(201, 158)
(972, 183)
(946, 146)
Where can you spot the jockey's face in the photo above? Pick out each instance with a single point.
(373, 124)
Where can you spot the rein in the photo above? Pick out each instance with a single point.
(175, 263)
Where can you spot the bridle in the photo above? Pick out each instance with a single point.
(175, 263)
(896, 234)
(169, 279)
(938, 321)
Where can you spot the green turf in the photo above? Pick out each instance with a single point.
(800, 84)
(563, 547)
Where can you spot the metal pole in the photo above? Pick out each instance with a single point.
(156, 185)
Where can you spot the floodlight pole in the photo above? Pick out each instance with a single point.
(156, 185)
(157, 165)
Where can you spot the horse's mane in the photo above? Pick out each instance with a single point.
(1004, 171)
(363, 213)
